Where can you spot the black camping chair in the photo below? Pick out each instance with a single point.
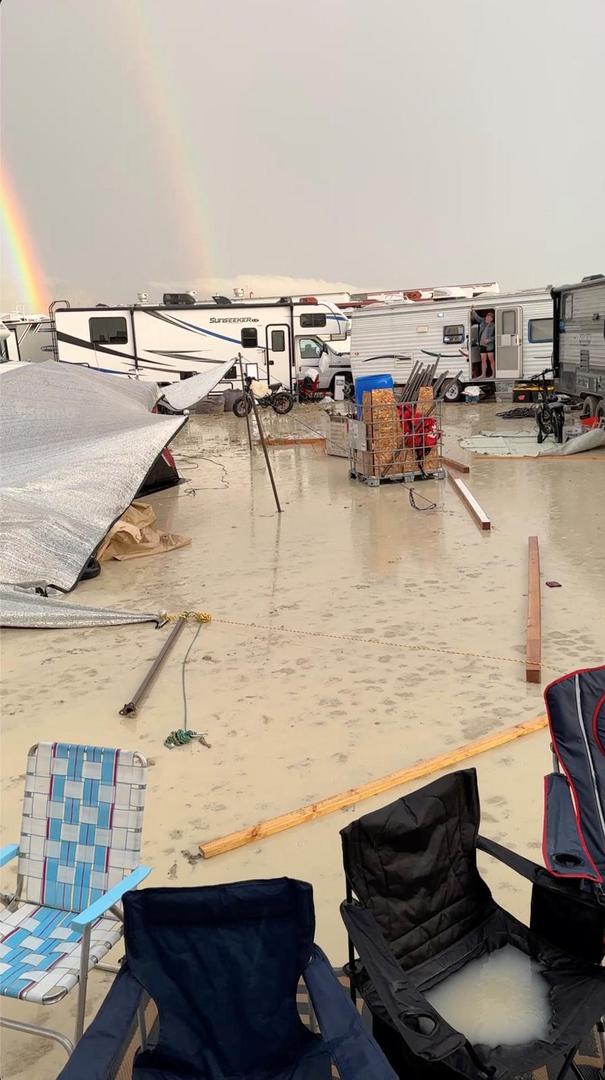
(222, 965)
(423, 912)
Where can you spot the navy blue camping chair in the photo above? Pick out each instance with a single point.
(222, 965)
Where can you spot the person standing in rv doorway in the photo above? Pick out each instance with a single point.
(487, 341)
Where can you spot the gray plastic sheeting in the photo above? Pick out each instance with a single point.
(186, 393)
(75, 445)
(29, 610)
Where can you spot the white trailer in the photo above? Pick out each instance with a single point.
(391, 338)
(29, 338)
(579, 351)
(164, 342)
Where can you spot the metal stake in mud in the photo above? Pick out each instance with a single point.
(262, 437)
(130, 708)
(245, 393)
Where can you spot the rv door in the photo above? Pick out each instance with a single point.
(279, 363)
(509, 342)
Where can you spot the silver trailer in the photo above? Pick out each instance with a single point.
(579, 342)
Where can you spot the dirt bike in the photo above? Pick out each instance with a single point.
(278, 398)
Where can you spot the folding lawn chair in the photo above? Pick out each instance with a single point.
(423, 912)
(222, 964)
(78, 854)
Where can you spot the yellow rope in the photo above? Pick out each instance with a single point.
(193, 616)
(381, 643)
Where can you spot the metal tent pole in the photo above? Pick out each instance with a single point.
(241, 372)
(264, 446)
(131, 706)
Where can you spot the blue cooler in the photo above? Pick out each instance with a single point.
(370, 382)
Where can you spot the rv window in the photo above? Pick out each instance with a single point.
(310, 349)
(249, 337)
(278, 341)
(310, 319)
(509, 322)
(539, 330)
(108, 331)
(453, 335)
(568, 307)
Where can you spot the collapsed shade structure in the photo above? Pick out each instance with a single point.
(222, 964)
(423, 912)
(21, 610)
(75, 446)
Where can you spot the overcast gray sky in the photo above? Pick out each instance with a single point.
(382, 144)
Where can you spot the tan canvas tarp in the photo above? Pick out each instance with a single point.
(134, 535)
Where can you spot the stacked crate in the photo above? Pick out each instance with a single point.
(386, 455)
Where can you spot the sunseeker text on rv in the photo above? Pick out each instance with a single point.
(246, 320)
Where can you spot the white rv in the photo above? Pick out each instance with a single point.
(398, 335)
(28, 338)
(179, 338)
(579, 352)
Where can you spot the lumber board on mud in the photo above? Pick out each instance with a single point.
(533, 654)
(343, 799)
(470, 502)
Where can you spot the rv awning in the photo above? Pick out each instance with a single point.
(75, 445)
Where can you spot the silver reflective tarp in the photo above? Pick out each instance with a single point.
(188, 392)
(75, 445)
(29, 610)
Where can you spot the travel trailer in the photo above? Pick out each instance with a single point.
(391, 338)
(579, 342)
(179, 338)
(28, 338)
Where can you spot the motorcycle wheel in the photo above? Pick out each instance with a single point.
(241, 406)
(282, 403)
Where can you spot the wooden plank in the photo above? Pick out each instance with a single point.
(272, 440)
(452, 464)
(366, 791)
(542, 457)
(533, 654)
(470, 502)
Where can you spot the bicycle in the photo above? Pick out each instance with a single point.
(549, 411)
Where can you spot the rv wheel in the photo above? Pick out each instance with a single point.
(600, 411)
(453, 392)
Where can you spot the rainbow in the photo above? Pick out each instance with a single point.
(177, 147)
(32, 285)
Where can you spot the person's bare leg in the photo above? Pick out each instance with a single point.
(484, 365)
(492, 364)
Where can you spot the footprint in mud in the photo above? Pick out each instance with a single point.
(172, 871)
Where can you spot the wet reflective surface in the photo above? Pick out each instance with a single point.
(352, 636)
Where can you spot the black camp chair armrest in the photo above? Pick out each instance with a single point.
(423, 1030)
(538, 875)
(525, 867)
(99, 1052)
(354, 1051)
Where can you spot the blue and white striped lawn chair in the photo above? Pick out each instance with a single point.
(78, 854)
